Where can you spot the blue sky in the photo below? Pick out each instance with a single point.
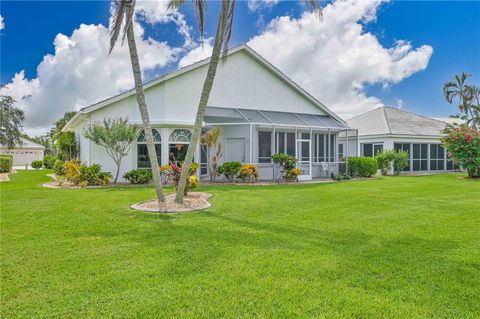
(451, 29)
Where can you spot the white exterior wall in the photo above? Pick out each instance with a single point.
(389, 142)
(241, 82)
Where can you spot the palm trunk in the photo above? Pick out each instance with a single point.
(142, 106)
(207, 87)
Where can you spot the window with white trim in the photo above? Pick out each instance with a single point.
(143, 160)
(178, 142)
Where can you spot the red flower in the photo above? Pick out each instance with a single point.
(469, 137)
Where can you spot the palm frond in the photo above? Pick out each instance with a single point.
(200, 10)
(315, 7)
(229, 13)
(124, 11)
(129, 13)
(116, 26)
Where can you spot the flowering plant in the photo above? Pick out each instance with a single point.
(292, 175)
(172, 172)
(463, 146)
(248, 172)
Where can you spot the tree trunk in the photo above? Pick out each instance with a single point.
(207, 87)
(118, 170)
(142, 106)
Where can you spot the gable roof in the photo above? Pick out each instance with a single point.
(391, 121)
(27, 144)
(252, 53)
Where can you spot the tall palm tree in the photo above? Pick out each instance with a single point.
(222, 37)
(124, 13)
(468, 98)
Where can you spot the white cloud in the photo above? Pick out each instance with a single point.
(399, 103)
(197, 54)
(254, 5)
(2, 24)
(80, 71)
(336, 59)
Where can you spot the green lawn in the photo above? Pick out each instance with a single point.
(399, 247)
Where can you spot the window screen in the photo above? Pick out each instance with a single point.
(264, 147)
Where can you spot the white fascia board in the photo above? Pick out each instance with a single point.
(74, 121)
(416, 137)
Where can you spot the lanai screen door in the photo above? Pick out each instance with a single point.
(304, 151)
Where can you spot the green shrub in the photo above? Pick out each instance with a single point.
(463, 145)
(49, 161)
(10, 156)
(385, 160)
(341, 177)
(288, 164)
(37, 164)
(57, 167)
(138, 176)
(362, 166)
(230, 169)
(93, 175)
(76, 173)
(5, 163)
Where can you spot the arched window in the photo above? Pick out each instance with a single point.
(180, 136)
(178, 145)
(156, 137)
(143, 160)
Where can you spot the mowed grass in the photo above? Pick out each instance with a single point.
(398, 247)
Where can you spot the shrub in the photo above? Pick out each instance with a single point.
(83, 175)
(362, 166)
(93, 175)
(400, 161)
(138, 176)
(463, 146)
(58, 167)
(292, 175)
(287, 163)
(49, 161)
(385, 160)
(172, 173)
(230, 169)
(248, 172)
(5, 163)
(341, 177)
(37, 164)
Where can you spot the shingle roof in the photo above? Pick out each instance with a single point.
(388, 120)
(27, 144)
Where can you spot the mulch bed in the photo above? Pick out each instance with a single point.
(193, 201)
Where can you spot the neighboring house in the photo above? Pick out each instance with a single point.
(24, 153)
(260, 111)
(387, 128)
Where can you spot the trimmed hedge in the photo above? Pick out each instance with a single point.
(362, 166)
(37, 164)
(6, 163)
(138, 176)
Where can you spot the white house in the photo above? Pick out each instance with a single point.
(387, 128)
(24, 153)
(260, 111)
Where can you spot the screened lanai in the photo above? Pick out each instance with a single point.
(320, 143)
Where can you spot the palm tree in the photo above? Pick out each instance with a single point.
(222, 37)
(468, 98)
(124, 11)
